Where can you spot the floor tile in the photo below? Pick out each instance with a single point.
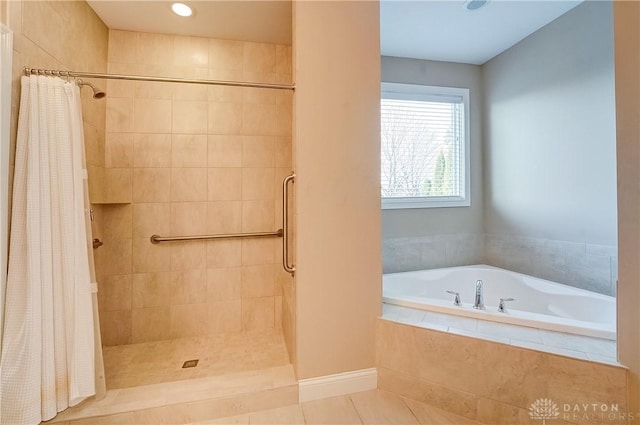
(335, 411)
(161, 361)
(281, 416)
(233, 420)
(429, 415)
(381, 407)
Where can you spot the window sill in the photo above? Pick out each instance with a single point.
(408, 203)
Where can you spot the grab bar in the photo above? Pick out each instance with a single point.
(157, 238)
(285, 223)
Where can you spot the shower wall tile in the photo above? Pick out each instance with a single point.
(151, 219)
(225, 316)
(202, 161)
(259, 119)
(189, 117)
(226, 54)
(154, 49)
(188, 256)
(151, 185)
(258, 251)
(224, 253)
(283, 152)
(119, 115)
(258, 281)
(152, 115)
(118, 150)
(186, 184)
(258, 183)
(189, 287)
(117, 255)
(118, 185)
(258, 151)
(224, 118)
(224, 217)
(116, 327)
(224, 284)
(188, 320)
(283, 64)
(258, 313)
(188, 150)
(150, 324)
(188, 218)
(151, 290)
(226, 151)
(191, 51)
(152, 150)
(117, 292)
(258, 216)
(148, 257)
(122, 46)
(224, 184)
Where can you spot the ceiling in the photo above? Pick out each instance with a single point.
(426, 29)
(265, 21)
(447, 31)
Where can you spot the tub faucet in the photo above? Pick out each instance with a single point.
(479, 301)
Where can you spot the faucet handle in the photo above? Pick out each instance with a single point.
(456, 301)
(501, 304)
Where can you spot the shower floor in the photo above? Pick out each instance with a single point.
(161, 361)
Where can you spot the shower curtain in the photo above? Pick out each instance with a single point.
(47, 358)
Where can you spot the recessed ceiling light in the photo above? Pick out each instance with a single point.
(181, 9)
(475, 4)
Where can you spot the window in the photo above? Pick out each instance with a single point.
(424, 146)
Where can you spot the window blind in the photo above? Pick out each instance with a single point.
(422, 145)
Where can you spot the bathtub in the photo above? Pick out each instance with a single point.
(538, 303)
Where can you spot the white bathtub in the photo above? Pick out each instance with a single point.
(538, 303)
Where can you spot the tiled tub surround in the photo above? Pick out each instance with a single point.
(432, 252)
(491, 382)
(576, 346)
(586, 266)
(187, 160)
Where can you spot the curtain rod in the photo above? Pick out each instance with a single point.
(74, 74)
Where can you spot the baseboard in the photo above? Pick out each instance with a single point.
(338, 384)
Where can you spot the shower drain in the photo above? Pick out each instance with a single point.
(190, 363)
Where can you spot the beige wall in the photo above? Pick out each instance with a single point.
(627, 66)
(337, 191)
(189, 160)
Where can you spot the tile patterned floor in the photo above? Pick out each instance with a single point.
(575, 346)
(368, 408)
(161, 361)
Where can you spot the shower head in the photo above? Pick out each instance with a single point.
(97, 93)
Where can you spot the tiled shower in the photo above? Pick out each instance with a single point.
(189, 160)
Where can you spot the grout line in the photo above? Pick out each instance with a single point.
(409, 407)
(353, 404)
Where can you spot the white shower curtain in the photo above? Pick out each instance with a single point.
(47, 359)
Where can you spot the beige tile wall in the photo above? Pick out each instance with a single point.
(187, 160)
(490, 382)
